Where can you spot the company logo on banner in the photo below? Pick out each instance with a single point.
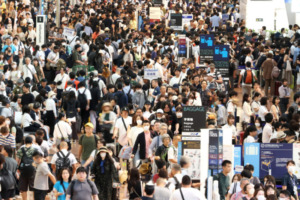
(206, 48)
(251, 156)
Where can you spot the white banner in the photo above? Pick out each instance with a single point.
(150, 74)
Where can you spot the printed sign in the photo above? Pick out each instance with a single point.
(215, 149)
(186, 18)
(273, 159)
(191, 149)
(176, 21)
(206, 48)
(193, 119)
(251, 156)
(69, 33)
(154, 14)
(221, 59)
(150, 74)
(237, 157)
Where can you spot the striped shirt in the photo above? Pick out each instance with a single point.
(8, 140)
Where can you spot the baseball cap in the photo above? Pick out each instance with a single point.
(125, 109)
(89, 124)
(160, 111)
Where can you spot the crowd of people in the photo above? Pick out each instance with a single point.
(89, 90)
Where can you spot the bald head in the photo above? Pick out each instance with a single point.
(63, 145)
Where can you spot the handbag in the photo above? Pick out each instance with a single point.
(288, 66)
(125, 152)
(63, 139)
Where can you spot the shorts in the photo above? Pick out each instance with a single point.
(6, 194)
(40, 194)
(25, 182)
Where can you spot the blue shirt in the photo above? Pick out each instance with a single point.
(13, 48)
(290, 181)
(296, 53)
(59, 188)
(156, 91)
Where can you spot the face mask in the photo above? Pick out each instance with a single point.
(257, 124)
(7, 122)
(251, 191)
(14, 66)
(159, 118)
(102, 155)
(261, 197)
(146, 128)
(139, 122)
(179, 115)
(291, 169)
(280, 198)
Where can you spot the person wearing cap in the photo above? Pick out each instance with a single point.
(107, 118)
(27, 97)
(82, 187)
(87, 143)
(31, 32)
(121, 128)
(106, 175)
(51, 113)
(148, 191)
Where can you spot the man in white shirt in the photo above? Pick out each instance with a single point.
(71, 88)
(61, 80)
(141, 49)
(177, 79)
(28, 70)
(121, 127)
(186, 191)
(53, 57)
(267, 131)
(62, 153)
(115, 76)
(175, 181)
(172, 152)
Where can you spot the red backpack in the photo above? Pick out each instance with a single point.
(248, 76)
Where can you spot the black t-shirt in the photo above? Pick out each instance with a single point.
(27, 99)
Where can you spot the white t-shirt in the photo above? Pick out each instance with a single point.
(267, 133)
(122, 139)
(242, 74)
(26, 120)
(249, 139)
(261, 112)
(87, 92)
(28, 71)
(188, 193)
(65, 152)
(134, 132)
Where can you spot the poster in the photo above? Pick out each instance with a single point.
(176, 21)
(150, 74)
(251, 156)
(194, 119)
(273, 159)
(157, 2)
(221, 59)
(296, 158)
(206, 48)
(186, 18)
(182, 50)
(69, 33)
(154, 14)
(191, 148)
(215, 150)
(237, 158)
(225, 18)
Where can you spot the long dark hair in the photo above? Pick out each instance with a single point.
(134, 176)
(248, 130)
(61, 178)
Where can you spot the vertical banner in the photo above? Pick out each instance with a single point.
(221, 59)
(192, 149)
(215, 149)
(251, 156)
(194, 119)
(273, 159)
(41, 30)
(176, 21)
(206, 48)
(186, 18)
(237, 158)
(179, 152)
(182, 49)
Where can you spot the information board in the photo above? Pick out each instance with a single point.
(206, 48)
(191, 148)
(154, 14)
(176, 21)
(221, 59)
(194, 119)
(237, 158)
(150, 74)
(273, 159)
(251, 156)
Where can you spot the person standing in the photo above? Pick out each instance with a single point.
(267, 68)
(268, 129)
(248, 76)
(173, 150)
(82, 188)
(51, 114)
(223, 179)
(41, 184)
(186, 191)
(284, 95)
(105, 173)
(290, 181)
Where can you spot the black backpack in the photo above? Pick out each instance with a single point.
(71, 109)
(19, 134)
(8, 180)
(129, 96)
(62, 161)
(28, 53)
(82, 99)
(26, 162)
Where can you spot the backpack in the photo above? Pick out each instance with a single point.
(177, 185)
(27, 52)
(129, 96)
(73, 183)
(248, 77)
(69, 61)
(275, 72)
(26, 162)
(60, 64)
(71, 107)
(8, 181)
(82, 99)
(19, 134)
(62, 161)
(242, 60)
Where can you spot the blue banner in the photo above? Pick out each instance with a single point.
(251, 156)
(237, 156)
(221, 52)
(206, 41)
(179, 153)
(273, 159)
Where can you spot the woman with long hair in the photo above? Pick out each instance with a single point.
(275, 109)
(106, 174)
(247, 108)
(250, 134)
(64, 179)
(134, 184)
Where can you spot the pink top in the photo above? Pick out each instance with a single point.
(148, 141)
